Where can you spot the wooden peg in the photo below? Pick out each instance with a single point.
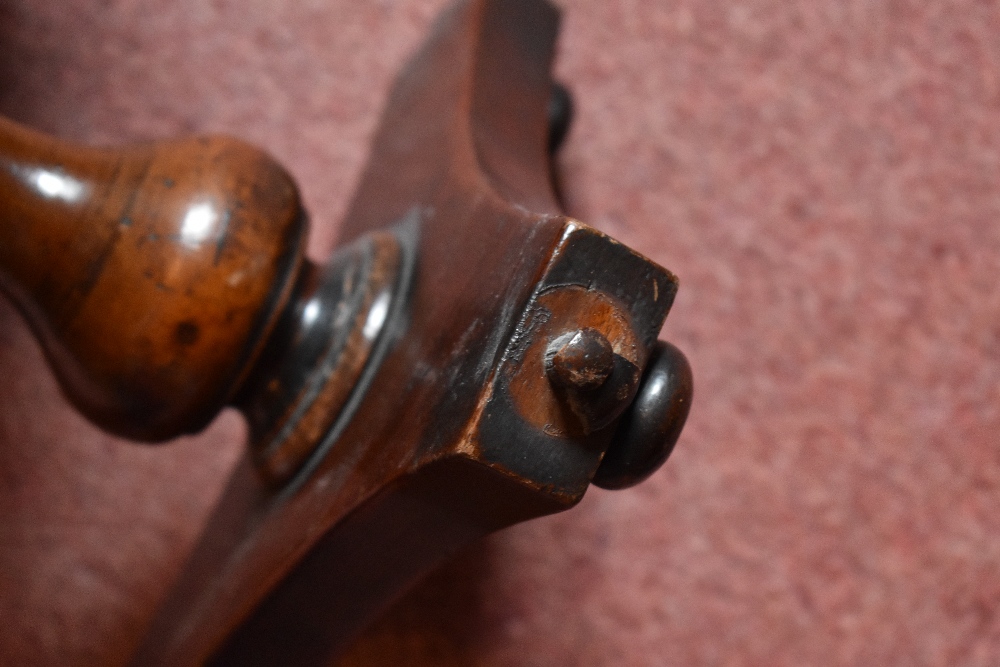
(464, 361)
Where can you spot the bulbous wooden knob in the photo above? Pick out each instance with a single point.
(650, 427)
(151, 274)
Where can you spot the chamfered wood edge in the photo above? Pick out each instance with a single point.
(480, 260)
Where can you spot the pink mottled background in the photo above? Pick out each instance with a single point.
(824, 177)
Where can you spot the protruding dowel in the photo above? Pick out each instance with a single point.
(151, 274)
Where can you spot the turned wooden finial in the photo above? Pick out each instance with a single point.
(151, 274)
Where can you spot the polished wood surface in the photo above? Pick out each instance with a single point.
(461, 430)
(821, 177)
(314, 362)
(152, 274)
(460, 364)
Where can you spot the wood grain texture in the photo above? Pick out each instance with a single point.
(824, 180)
(435, 447)
(151, 274)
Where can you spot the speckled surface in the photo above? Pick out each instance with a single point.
(824, 177)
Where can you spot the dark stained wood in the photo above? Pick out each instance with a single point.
(318, 353)
(460, 364)
(582, 360)
(152, 274)
(439, 448)
(649, 430)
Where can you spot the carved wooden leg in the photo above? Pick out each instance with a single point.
(469, 358)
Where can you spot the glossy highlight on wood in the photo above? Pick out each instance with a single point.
(314, 361)
(458, 365)
(459, 431)
(152, 274)
(647, 433)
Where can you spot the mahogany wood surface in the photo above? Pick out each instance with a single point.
(457, 433)
(404, 400)
(822, 176)
(152, 274)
